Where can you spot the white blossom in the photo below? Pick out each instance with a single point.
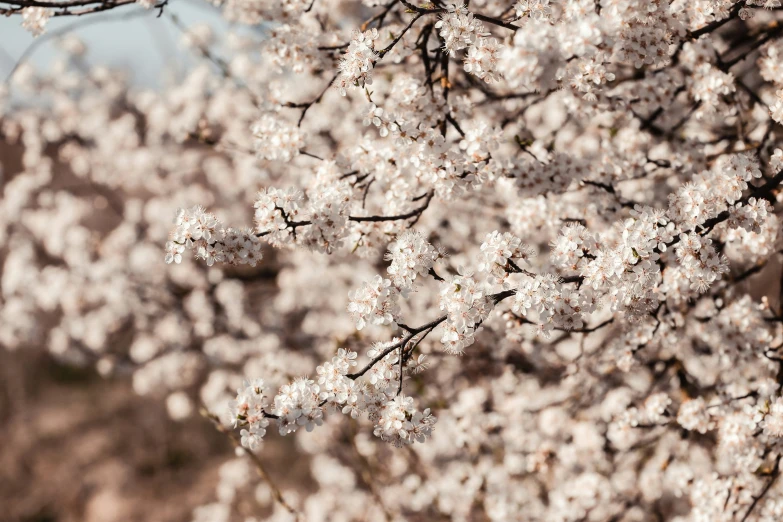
(34, 19)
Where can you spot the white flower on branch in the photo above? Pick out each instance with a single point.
(411, 256)
(356, 65)
(34, 19)
(482, 59)
(374, 303)
(458, 28)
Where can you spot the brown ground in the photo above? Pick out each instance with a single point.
(76, 447)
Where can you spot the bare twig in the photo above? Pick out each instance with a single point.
(255, 458)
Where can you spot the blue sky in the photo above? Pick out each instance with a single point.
(143, 45)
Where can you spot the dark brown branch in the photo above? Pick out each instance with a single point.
(306, 105)
(772, 478)
(712, 26)
(478, 16)
(389, 47)
(611, 190)
(769, 35)
(412, 332)
(524, 320)
(435, 275)
(413, 213)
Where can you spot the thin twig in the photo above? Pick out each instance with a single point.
(255, 458)
(773, 477)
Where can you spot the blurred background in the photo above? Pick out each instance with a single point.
(75, 446)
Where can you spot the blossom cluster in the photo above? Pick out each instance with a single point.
(411, 255)
(276, 141)
(34, 19)
(360, 57)
(466, 305)
(375, 302)
(458, 28)
(198, 230)
(248, 408)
